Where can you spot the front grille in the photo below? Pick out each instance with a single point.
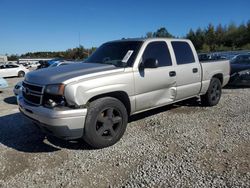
(32, 93)
(32, 87)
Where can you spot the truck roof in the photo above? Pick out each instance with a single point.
(149, 39)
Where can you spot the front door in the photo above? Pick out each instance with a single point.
(155, 86)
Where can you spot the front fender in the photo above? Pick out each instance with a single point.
(82, 96)
(79, 93)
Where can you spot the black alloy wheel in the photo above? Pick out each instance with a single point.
(108, 123)
(105, 123)
(213, 95)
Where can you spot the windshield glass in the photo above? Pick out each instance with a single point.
(119, 54)
(53, 65)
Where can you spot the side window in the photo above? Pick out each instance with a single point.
(159, 51)
(11, 66)
(183, 52)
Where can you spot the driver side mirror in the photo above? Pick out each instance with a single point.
(150, 63)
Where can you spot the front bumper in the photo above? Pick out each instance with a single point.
(64, 123)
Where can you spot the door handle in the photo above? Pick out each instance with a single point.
(195, 70)
(172, 73)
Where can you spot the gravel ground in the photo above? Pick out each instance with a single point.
(183, 145)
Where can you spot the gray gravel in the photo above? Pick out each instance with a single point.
(183, 145)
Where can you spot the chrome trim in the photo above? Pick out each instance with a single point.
(33, 84)
(34, 93)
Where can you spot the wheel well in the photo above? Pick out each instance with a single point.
(220, 77)
(120, 95)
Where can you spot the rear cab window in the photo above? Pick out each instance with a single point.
(183, 52)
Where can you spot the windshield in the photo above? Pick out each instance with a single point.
(54, 65)
(240, 59)
(119, 54)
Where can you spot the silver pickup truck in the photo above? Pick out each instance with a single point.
(93, 99)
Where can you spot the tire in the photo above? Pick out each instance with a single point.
(212, 97)
(105, 123)
(21, 74)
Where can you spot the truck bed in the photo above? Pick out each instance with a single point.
(217, 67)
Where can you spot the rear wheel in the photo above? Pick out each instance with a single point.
(106, 122)
(212, 97)
(21, 74)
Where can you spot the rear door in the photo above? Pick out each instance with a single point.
(155, 86)
(188, 70)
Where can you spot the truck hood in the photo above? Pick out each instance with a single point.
(60, 74)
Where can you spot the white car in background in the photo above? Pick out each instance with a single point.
(18, 87)
(10, 70)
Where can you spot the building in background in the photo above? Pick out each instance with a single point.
(3, 58)
(32, 60)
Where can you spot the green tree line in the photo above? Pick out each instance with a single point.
(214, 38)
(77, 53)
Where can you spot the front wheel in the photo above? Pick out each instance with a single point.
(21, 74)
(212, 97)
(106, 122)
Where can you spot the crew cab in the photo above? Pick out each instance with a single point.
(93, 99)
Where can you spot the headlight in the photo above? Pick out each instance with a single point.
(56, 89)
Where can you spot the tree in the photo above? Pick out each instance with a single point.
(149, 35)
(200, 39)
(248, 32)
(13, 57)
(70, 54)
(230, 35)
(240, 35)
(219, 35)
(210, 37)
(162, 32)
(192, 36)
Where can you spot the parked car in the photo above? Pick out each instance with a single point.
(56, 60)
(29, 65)
(33, 65)
(3, 83)
(240, 68)
(240, 63)
(210, 57)
(43, 64)
(92, 100)
(241, 78)
(61, 63)
(10, 70)
(11, 63)
(18, 88)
